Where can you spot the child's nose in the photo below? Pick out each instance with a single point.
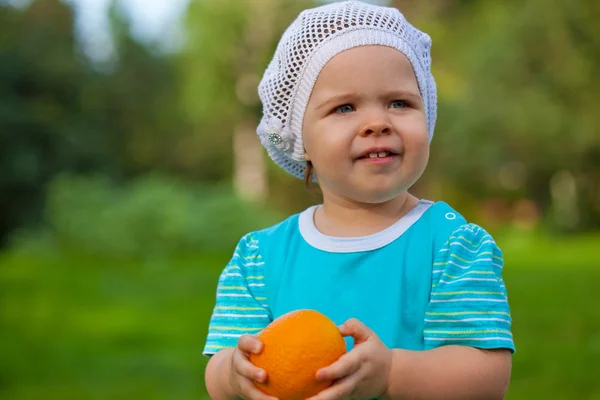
(376, 127)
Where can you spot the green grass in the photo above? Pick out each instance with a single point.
(81, 327)
(554, 292)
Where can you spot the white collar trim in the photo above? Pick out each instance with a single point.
(332, 244)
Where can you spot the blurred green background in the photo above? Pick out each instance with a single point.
(129, 168)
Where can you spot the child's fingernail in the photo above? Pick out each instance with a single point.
(260, 376)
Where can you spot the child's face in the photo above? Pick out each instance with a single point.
(366, 100)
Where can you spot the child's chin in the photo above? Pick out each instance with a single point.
(379, 195)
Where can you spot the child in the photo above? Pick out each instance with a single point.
(349, 101)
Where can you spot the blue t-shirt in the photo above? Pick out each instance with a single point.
(429, 280)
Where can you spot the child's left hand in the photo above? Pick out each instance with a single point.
(363, 372)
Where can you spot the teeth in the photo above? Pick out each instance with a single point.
(380, 154)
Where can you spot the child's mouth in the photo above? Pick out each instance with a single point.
(379, 158)
(380, 154)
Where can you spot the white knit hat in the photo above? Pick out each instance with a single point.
(314, 38)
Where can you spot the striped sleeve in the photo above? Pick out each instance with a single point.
(469, 303)
(241, 302)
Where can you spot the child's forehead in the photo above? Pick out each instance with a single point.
(368, 57)
(367, 65)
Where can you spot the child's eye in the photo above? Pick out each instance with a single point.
(346, 108)
(398, 104)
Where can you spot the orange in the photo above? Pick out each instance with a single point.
(296, 346)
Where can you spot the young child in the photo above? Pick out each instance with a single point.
(349, 101)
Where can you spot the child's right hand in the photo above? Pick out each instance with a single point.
(243, 373)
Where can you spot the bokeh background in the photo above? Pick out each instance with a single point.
(129, 168)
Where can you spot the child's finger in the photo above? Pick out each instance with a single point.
(251, 392)
(245, 368)
(342, 389)
(356, 329)
(249, 344)
(346, 365)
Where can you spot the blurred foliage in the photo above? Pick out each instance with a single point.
(151, 217)
(518, 103)
(229, 43)
(58, 113)
(517, 115)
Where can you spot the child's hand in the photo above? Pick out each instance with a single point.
(363, 372)
(243, 373)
